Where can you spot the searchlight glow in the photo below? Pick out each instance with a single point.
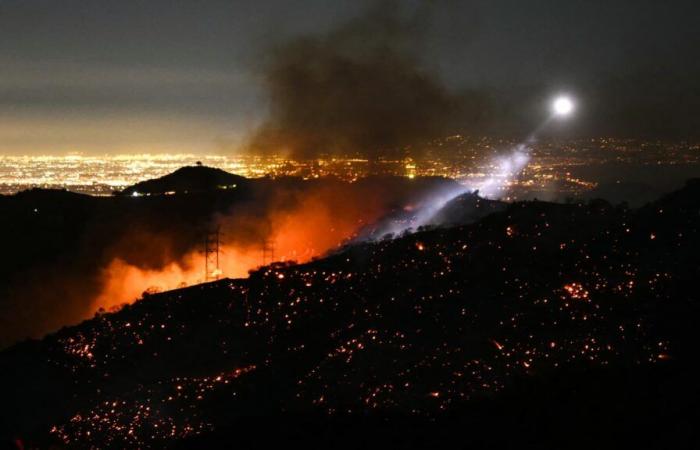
(562, 106)
(504, 169)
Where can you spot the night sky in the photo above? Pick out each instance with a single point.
(152, 76)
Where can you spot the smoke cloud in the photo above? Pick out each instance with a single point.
(358, 89)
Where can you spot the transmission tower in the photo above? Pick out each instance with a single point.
(268, 251)
(211, 255)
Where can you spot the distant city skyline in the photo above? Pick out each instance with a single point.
(553, 170)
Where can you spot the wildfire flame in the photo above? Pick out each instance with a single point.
(310, 230)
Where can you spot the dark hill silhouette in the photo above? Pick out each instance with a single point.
(51, 195)
(467, 208)
(188, 179)
(542, 325)
(634, 193)
(684, 199)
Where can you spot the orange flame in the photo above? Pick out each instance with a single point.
(310, 230)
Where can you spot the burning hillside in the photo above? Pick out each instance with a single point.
(68, 255)
(452, 330)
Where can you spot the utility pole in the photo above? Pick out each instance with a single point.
(268, 250)
(211, 255)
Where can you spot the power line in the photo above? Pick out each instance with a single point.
(212, 243)
(268, 251)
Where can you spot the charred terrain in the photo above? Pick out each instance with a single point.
(540, 325)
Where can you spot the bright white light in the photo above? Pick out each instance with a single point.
(563, 106)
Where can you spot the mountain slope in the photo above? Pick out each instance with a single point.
(437, 333)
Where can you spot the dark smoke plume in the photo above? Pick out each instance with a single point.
(358, 89)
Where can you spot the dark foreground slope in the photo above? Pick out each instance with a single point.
(542, 326)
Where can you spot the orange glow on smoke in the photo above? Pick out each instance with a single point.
(311, 229)
(125, 283)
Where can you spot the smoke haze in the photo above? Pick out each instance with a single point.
(358, 89)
